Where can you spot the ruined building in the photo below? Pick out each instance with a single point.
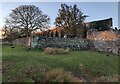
(101, 25)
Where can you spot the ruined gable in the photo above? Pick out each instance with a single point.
(101, 25)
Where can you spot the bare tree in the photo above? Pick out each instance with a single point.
(27, 18)
(71, 18)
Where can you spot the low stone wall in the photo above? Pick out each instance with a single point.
(55, 42)
(105, 46)
(73, 43)
(22, 41)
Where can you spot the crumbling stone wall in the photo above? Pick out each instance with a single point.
(105, 46)
(106, 41)
(76, 44)
(22, 41)
(73, 43)
(102, 35)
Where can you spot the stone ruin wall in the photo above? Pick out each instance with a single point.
(22, 41)
(102, 35)
(99, 41)
(57, 42)
(107, 41)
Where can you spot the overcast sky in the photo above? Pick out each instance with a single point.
(96, 10)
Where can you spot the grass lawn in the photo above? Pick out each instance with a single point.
(22, 66)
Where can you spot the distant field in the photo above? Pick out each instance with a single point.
(22, 66)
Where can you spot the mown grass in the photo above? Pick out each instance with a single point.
(83, 64)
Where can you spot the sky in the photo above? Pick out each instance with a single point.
(96, 10)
